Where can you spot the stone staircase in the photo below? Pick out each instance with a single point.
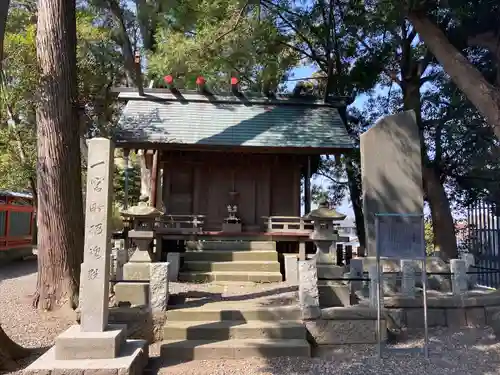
(233, 330)
(231, 260)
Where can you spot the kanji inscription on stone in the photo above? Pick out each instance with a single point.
(95, 277)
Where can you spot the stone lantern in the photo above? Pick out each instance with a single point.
(324, 234)
(143, 218)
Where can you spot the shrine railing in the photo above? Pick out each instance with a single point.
(287, 224)
(180, 224)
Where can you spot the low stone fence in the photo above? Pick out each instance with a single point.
(469, 309)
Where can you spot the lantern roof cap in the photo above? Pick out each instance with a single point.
(325, 212)
(142, 209)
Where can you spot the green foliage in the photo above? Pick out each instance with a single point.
(219, 39)
(99, 68)
(134, 183)
(429, 237)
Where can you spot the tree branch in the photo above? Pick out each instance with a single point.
(235, 26)
(128, 54)
(312, 55)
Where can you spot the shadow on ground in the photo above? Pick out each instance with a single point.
(17, 269)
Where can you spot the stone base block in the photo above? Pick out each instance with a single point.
(333, 293)
(74, 344)
(291, 268)
(173, 272)
(136, 271)
(132, 360)
(135, 294)
(231, 227)
(336, 332)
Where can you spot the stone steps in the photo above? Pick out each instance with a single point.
(203, 277)
(234, 349)
(238, 311)
(235, 266)
(233, 245)
(233, 330)
(230, 256)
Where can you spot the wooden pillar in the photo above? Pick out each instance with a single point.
(307, 187)
(154, 178)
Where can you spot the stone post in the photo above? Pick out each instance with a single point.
(458, 276)
(158, 286)
(291, 268)
(121, 259)
(356, 271)
(308, 289)
(470, 262)
(173, 270)
(408, 277)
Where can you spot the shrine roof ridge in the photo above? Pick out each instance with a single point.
(242, 98)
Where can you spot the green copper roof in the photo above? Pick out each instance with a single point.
(197, 120)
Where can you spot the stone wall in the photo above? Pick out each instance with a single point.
(470, 309)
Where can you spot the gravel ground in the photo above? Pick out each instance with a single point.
(471, 351)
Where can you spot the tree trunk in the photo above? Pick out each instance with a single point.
(4, 10)
(442, 220)
(145, 175)
(484, 96)
(354, 183)
(60, 208)
(443, 226)
(10, 352)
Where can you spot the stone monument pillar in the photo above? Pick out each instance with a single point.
(94, 339)
(391, 170)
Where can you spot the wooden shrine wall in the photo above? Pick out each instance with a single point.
(200, 182)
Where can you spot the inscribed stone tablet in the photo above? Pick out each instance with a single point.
(400, 237)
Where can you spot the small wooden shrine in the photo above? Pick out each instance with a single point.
(232, 162)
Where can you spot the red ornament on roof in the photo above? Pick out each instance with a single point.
(168, 79)
(200, 81)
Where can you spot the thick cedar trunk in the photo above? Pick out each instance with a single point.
(10, 352)
(60, 209)
(4, 10)
(442, 221)
(484, 96)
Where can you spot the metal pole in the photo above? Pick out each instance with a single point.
(426, 325)
(379, 338)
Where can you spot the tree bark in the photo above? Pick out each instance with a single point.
(354, 183)
(442, 220)
(60, 208)
(10, 352)
(443, 226)
(4, 10)
(484, 96)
